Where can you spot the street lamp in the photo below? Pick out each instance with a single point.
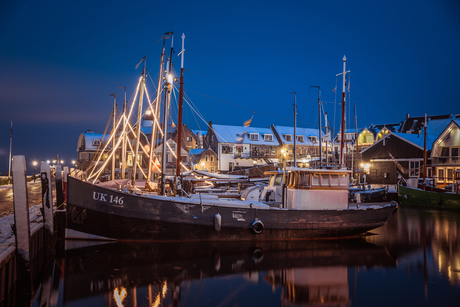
(35, 168)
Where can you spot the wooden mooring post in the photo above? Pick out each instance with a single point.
(21, 224)
(47, 202)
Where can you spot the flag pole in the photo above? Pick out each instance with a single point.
(11, 143)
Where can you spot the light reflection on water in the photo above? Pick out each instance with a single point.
(412, 261)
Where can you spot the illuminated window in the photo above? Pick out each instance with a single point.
(414, 167)
(441, 174)
(254, 136)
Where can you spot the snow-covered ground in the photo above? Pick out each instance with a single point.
(6, 222)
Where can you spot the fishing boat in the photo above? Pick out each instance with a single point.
(314, 205)
(412, 193)
(425, 194)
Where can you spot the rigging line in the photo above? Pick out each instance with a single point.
(335, 102)
(210, 105)
(259, 88)
(264, 113)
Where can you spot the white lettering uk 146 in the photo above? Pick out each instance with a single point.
(108, 198)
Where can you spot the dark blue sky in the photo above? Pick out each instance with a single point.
(60, 61)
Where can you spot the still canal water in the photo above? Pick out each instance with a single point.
(412, 261)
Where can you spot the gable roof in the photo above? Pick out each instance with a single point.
(413, 139)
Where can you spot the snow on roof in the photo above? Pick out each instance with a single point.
(230, 134)
(436, 127)
(197, 151)
(90, 138)
(202, 132)
(306, 132)
(417, 139)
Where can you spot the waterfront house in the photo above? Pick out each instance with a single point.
(445, 154)
(204, 159)
(307, 144)
(242, 147)
(406, 149)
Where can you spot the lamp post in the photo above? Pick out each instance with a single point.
(35, 168)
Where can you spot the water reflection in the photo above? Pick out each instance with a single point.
(413, 260)
(302, 272)
(418, 231)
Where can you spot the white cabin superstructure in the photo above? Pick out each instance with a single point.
(308, 189)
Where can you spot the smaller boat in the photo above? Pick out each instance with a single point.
(412, 193)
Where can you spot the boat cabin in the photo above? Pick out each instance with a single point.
(308, 189)
(317, 189)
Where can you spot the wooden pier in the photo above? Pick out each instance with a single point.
(35, 234)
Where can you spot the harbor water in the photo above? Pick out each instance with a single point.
(414, 260)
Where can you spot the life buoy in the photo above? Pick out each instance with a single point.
(257, 226)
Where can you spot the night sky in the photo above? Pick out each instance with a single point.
(61, 60)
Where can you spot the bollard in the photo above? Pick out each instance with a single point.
(22, 224)
(58, 181)
(65, 173)
(47, 203)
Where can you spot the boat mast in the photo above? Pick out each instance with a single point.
(319, 130)
(342, 128)
(123, 145)
(295, 126)
(326, 137)
(179, 120)
(424, 156)
(155, 112)
(114, 114)
(138, 132)
(356, 144)
(168, 86)
(11, 143)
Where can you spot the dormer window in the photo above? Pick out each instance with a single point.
(254, 136)
(313, 139)
(299, 138)
(287, 137)
(96, 142)
(268, 137)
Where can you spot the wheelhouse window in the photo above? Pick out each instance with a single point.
(304, 180)
(315, 180)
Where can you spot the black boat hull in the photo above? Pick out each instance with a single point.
(106, 212)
